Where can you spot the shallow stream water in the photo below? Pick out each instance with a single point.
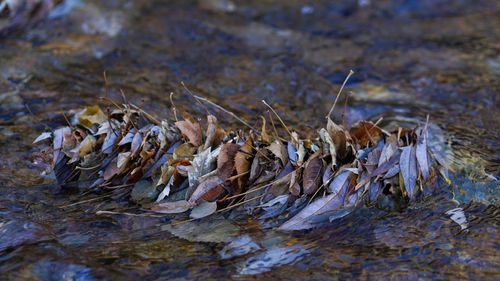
(411, 58)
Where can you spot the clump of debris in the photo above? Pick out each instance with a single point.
(185, 166)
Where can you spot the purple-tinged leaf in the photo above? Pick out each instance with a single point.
(386, 166)
(317, 207)
(408, 166)
(339, 181)
(136, 142)
(421, 152)
(128, 137)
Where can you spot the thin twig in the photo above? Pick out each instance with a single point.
(149, 116)
(227, 111)
(194, 96)
(338, 95)
(239, 204)
(279, 118)
(128, 214)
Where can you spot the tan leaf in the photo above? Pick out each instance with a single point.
(279, 150)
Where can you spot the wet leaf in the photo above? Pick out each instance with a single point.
(265, 261)
(408, 167)
(339, 138)
(312, 174)
(209, 230)
(203, 210)
(239, 247)
(192, 131)
(274, 207)
(174, 207)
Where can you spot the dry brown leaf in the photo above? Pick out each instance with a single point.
(226, 160)
(294, 187)
(191, 131)
(365, 133)
(111, 170)
(339, 138)
(312, 174)
(242, 164)
(208, 190)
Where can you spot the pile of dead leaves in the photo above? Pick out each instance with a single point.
(175, 167)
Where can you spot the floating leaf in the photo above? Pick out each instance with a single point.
(239, 247)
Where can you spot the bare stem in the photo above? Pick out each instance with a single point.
(340, 91)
